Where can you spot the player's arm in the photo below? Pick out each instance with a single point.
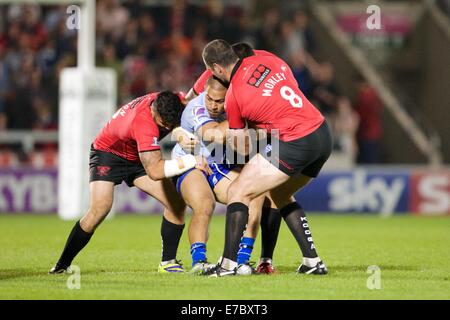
(199, 85)
(190, 95)
(157, 168)
(238, 136)
(214, 131)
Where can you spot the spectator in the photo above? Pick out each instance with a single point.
(3, 121)
(150, 47)
(4, 85)
(267, 34)
(444, 5)
(44, 119)
(290, 42)
(109, 60)
(303, 31)
(324, 92)
(345, 124)
(301, 72)
(369, 107)
(111, 18)
(246, 31)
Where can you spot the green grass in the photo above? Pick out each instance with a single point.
(120, 262)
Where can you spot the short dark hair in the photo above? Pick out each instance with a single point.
(169, 107)
(220, 52)
(243, 50)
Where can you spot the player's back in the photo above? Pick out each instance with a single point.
(118, 136)
(264, 91)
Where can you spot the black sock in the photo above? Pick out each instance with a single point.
(236, 222)
(270, 227)
(296, 220)
(170, 235)
(76, 241)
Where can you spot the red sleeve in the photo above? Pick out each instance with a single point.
(199, 85)
(234, 116)
(145, 132)
(181, 95)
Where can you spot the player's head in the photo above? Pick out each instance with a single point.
(243, 50)
(218, 57)
(215, 97)
(167, 109)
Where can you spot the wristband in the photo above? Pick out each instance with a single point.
(177, 166)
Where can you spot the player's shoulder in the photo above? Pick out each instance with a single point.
(142, 103)
(142, 112)
(195, 109)
(252, 71)
(196, 103)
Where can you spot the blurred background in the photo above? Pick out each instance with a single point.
(385, 89)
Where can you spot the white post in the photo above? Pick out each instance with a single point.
(86, 36)
(87, 100)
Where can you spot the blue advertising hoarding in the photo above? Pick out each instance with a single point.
(360, 190)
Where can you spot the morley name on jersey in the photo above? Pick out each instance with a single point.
(272, 82)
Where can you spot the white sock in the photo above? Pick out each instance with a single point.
(163, 263)
(265, 260)
(228, 264)
(310, 262)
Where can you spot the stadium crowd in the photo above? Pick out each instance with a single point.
(153, 48)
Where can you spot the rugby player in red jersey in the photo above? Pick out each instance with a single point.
(263, 92)
(242, 50)
(127, 149)
(270, 217)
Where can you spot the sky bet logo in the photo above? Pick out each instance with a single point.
(258, 76)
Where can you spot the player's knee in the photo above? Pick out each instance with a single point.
(100, 209)
(280, 200)
(95, 215)
(239, 192)
(205, 208)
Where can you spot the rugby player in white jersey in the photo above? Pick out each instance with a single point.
(204, 123)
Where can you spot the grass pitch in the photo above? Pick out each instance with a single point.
(120, 262)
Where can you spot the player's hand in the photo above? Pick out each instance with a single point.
(202, 165)
(185, 139)
(188, 144)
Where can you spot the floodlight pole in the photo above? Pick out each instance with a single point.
(86, 35)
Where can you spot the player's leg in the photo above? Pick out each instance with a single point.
(270, 228)
(198, 195)
(295, 218)
(291, 211)
(101, 199)
(268, 217)
(173, 218)
(306, 156)
(248, 239)
(240, 193)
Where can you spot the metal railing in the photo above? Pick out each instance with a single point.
(28, 138)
